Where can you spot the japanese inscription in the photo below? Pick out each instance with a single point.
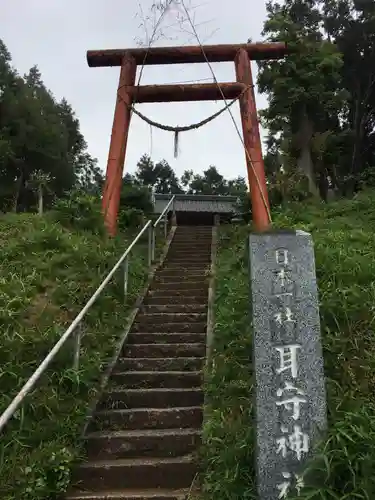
(290, 394)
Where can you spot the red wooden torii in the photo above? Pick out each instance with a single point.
(128, 94)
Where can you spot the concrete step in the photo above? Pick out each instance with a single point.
(193, 230)
(174, 308)
(192, 247)
(194, 295)
(170, 317)
(149, 380)
(177, 297)
(192, 240)
(178, 269)
(141, 443)
(193, 236)
(166, 338)
(190, 253)
(188, 250)
(178, 276)
(182, 281)
(159, 364)
(171, 268)
(175, 472)
(188, 260)
(170, 327)
(203, 267)
(187, 234)
(148, 418)
(118, 399)
(149, 494)
(201, 284)
(202, 227)
(167, 271)
(186, 254)
(164, 350)
(196, 229)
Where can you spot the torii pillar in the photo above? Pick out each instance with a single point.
(128, 94)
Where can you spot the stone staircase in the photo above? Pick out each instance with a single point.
(142, 441)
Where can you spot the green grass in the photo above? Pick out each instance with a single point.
(344, 238)
(47, 274)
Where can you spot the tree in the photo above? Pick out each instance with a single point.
(145, 173)
(159, 176)
(305, 93)
(83, 168)
(39, 182)
(212, 182)
(134, 195)
(89, 176)
(329, 78)
(166, 179)
(351, 25)
(38, 135)
(237, 186)
(9, 86)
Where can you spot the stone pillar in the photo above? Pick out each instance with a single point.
(290, 385)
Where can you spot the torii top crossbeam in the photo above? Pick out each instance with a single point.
(187, 54)
(128, 93)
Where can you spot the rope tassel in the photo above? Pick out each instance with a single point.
(176, 143)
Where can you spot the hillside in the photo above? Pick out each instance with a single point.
(49, 272)
(344, 237)
(47, 275)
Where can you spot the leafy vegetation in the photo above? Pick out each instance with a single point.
(320, 118)
(162, 179)
(41, 146)
(321, 97)
(48, 272)
(344, 241)
(44, 160)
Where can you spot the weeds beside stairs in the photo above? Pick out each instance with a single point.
(143, 437)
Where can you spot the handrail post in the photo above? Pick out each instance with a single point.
(153, 244)
(150, 245)
(165, 225)
(174, 212)
(126, 276)
(77, 337)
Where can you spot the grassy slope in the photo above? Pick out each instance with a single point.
(46, 275)
(344, 237)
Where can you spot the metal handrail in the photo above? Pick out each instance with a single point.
(164, 215)
(165, 210)
(30, 384)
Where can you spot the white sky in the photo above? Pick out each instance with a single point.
(55, 35)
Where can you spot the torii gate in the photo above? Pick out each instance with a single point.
(129, 94)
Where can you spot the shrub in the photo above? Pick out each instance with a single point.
(136, 197)
(130, 218)
(79, 211)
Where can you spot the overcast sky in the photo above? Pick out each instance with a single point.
(55, 35)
